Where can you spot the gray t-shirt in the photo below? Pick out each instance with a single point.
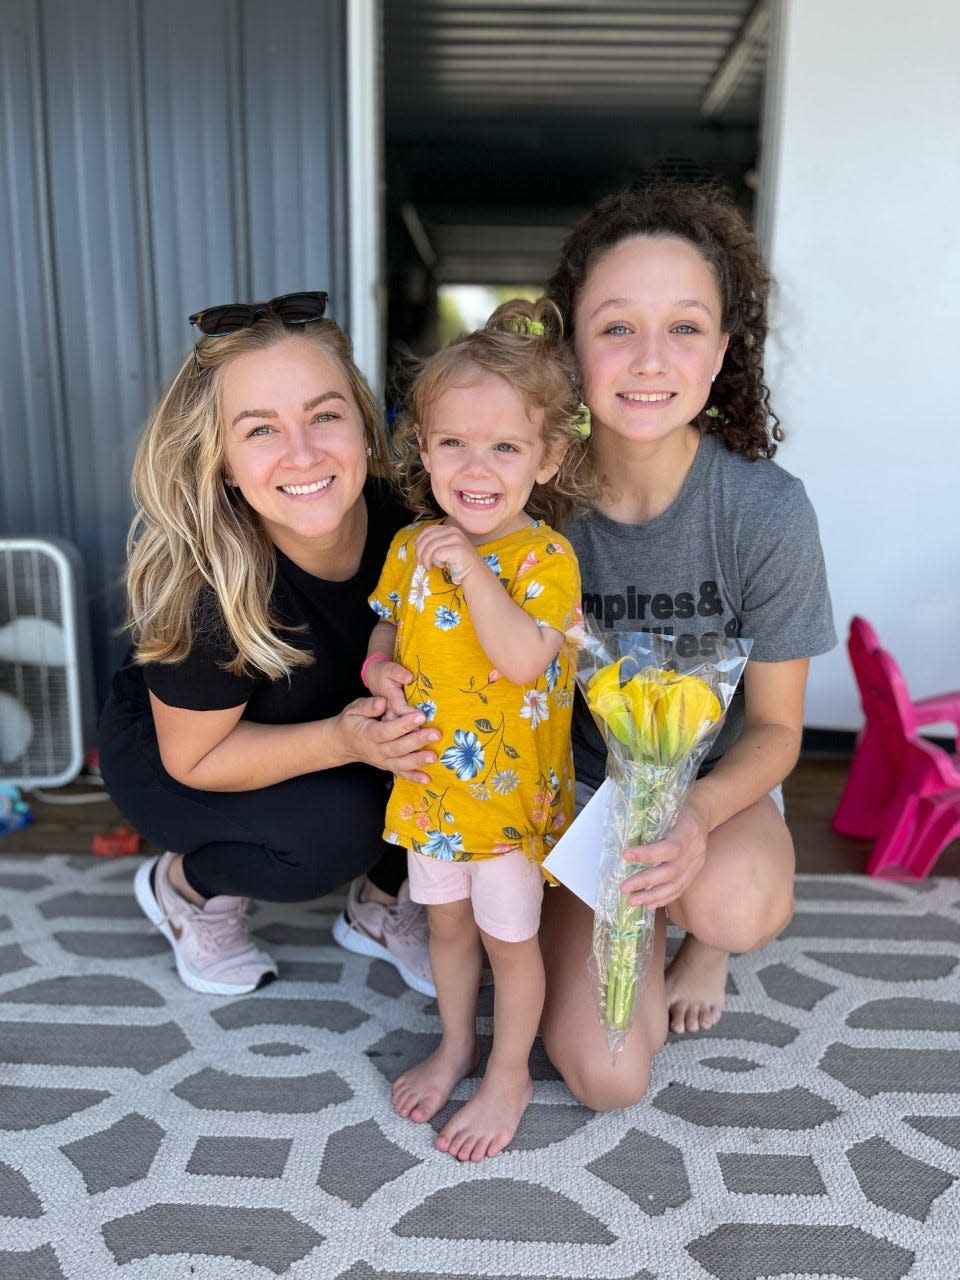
(736, 554)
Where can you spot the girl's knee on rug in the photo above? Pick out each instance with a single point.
(738, 926)
(609, 1086)
(598, 1079)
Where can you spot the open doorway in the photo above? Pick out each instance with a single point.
(504, 121)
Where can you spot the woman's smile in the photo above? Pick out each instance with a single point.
(306, 490)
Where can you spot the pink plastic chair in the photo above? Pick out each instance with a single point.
(938, 822)
(902, 789)
(875, 767)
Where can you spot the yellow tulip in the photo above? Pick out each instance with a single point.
(605, 679)
(642, 694)
(606, 700)
(686, 710)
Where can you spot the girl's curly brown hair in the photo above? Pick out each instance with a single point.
(706, 217)
(522, 342)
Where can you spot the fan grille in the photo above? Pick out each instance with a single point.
(40, 741)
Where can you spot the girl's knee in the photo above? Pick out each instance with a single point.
(598, 1080)
(777, 918)
(760, 922)
(743, 922)
(506, 955)
(620, 1084)
(452, 921)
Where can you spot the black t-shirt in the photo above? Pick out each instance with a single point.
(337, 622)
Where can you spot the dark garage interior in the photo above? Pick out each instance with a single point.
(503, 122)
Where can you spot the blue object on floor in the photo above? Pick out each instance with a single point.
(15, 813)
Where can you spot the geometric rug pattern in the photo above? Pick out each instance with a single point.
(152, 1133)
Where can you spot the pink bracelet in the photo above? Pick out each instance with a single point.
(371, 657)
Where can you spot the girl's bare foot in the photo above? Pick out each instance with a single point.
(484, 1125)
(420, 1092)
(696, 982)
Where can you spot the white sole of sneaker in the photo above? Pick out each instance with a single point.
(151, 909)
(360, 944)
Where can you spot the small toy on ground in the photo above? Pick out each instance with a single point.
(117, 842)
(15, 813)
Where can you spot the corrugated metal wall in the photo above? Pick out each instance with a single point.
(156, 156)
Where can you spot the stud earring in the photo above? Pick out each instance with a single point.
(369, 452)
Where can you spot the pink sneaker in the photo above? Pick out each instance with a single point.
(397, 934)
(211, 945)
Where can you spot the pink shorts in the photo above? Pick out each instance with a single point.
(506, 891)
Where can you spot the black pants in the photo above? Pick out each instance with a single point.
(291, 842)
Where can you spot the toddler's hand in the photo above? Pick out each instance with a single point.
(448, 547)
(387, 680)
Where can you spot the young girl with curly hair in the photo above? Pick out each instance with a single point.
(697, 532)
(475, 602)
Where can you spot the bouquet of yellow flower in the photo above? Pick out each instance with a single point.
(658, 713)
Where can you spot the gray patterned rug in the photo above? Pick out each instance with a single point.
(152, 1133)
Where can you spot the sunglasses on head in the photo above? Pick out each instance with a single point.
(290, 308)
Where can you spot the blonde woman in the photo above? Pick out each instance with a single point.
(237, 735)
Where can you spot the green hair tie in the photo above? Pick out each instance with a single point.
(529, 328)
(583, 422)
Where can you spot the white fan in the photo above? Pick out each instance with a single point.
(41, 680)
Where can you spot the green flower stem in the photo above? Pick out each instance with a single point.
(621, 988)
(649, 817)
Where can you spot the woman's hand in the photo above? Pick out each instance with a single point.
(672, 863)
(400, 745)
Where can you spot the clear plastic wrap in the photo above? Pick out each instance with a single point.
(658, 711)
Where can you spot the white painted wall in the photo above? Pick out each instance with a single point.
(860, 214)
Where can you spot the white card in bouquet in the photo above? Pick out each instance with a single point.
(575, 859)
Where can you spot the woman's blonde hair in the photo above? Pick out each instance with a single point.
(192, 532)
(522, 342)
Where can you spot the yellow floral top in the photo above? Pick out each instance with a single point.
(504, 773)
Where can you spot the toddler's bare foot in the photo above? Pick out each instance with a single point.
(420, 1092)
(696, 982)
(484, 1125)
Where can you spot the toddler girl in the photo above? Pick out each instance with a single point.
(474, 607)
